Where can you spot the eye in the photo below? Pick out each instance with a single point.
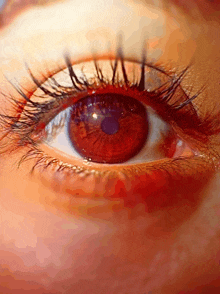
(161, 148)
(112, 128)
(110, 113)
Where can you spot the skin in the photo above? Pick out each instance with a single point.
(53, 242)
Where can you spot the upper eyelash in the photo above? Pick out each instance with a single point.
(33, 112)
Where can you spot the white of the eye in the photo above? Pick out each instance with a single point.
(156, 127)
(62, 142)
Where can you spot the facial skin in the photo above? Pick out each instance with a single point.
(53, 242)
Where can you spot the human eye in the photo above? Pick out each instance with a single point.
(108, 122)
(183, 150)
(162, 138)
(79, 218)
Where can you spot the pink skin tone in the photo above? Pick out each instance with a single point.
(53, 242)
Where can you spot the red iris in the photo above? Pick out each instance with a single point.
(108, 128)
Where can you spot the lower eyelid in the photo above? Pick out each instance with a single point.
(157, 186)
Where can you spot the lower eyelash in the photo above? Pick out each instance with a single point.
(171, 178)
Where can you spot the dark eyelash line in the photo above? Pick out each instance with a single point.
(31, 115)
(44, 161)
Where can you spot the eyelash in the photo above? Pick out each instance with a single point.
(32, 117)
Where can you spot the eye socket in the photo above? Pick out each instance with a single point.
(97, 89)
(42, 114)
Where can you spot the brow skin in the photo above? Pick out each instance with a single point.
(11, 9)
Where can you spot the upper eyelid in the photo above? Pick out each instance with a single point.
(46, 91)
(30, 37)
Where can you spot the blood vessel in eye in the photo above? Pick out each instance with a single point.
(108, 128)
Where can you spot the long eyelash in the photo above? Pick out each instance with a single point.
(30, 116)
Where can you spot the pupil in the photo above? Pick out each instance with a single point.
(108, 128)
(110, 125)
